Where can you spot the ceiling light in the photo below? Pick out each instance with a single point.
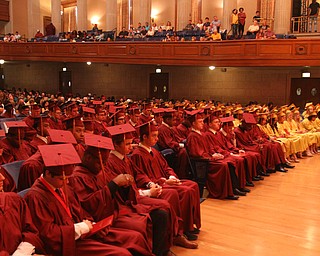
(1, 61)
(212, 67)
(158, 70)
(89, 63)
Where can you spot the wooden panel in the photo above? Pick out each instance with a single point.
(4, 11)
(275, 50)
(300, 52)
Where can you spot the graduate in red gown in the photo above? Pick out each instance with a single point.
(55, 119)
(152, 163)
(76, 126)
(8, 184)
(15, 148)
(57, 214)
(18, 235)
(107, 195)
(145, 115)
(33, 167)
(119, 163)
(235, 160)
(100, 124)
(168, 139)
(41, 126)
(219, 180)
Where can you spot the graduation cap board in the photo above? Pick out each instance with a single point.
(61, 136)
(14, 124)
(125, 130)
(249, 118)
(98, 141)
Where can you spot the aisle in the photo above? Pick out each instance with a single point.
(279, 217)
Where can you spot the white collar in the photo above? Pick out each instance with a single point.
(213, 131)
(223, 132)
(166, 124)
(197, 131)
(145, 147)
(117, 154)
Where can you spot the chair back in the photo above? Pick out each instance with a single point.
(13, 169)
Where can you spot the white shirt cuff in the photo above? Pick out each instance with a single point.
(172, 177)
(145, 192)
(23, 249)
(80, 229)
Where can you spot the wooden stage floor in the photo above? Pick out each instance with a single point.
(279, 217)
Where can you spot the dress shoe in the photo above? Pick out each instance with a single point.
(269, 171)
(255, 178)
(190, 236)
(259, 177)
(280, 169)
(195, 231)
(184, 242)
(287, 165)
(238, 192)
(246, 190)
(232, 197)
(250, 183)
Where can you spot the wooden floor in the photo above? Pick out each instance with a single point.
(279, 217)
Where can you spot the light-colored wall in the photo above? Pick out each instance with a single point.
(236, 84)
(212, 8)
(19, 17)
(97, 8)
(164, 11)
(250, 8)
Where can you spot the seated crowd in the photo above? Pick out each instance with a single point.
(201, 31)
(98, 183)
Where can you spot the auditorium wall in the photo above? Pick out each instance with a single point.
(132, 81)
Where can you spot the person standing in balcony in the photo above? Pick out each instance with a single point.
(242, 21)
(313, 12)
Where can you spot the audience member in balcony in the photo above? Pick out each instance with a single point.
(215, 36)
(242, 21)
(131, 33)
(200, 24)
(74, 34)
(260, 35)
(190, 25)
(257, 17)
(253, 29)
(123, 33)
(264, 25)
(269, 34)
(169, 26)
(150, 32)
(139, 27)
(154, 27)
(147, 26)
(143, 31)
(234, 23)
(95, 29)
(38, 34)
(206, 23)
(17, 36)
(50, 30)
(313, 12)
(216, 23)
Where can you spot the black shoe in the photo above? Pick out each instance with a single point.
(286, 165)
(265, 173)
(190, 236)
(246, 190)
(232, 197)
(270, 171)
(280, 169)
(250, 184)
(255, 178)
(195, 231)
(238, 192)
(259, 177)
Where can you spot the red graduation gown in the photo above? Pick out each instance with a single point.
(168, 139)
(56, 226)
(97, 200)
(56, 124)
(237, 162)
(117, 166)
(181, 132)
(30, 170)
(219, 182)
(16, 224)
(156, 168)
(18, 153)
(8, 184)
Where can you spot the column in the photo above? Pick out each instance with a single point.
(111, 15)
(282, 16)
(142, 12)
(183, 13)
(34, 19)
(82, 17)
(56, 15)
(228, 6)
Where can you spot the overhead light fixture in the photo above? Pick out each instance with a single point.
(305, 74)
(64, 69)
(88, 63)
(212, 67)
(1, 61)
(158, 70)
